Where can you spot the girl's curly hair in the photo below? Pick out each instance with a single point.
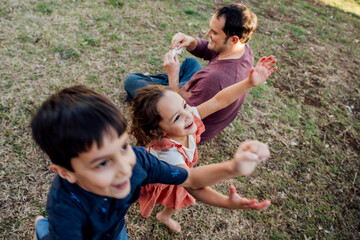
(145, 116)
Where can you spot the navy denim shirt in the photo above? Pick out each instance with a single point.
(75, 213)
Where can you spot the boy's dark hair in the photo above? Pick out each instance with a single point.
(69, 122)
(145, 116)
(239, 21)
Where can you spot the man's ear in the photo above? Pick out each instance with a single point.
(63, 172)
(234, 40)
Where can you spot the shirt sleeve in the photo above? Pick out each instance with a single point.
(160, 171)
(171, 156)
(66, 218)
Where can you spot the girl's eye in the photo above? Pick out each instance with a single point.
(102, 164)
(185, 105)
(124, 147)
(176, 118)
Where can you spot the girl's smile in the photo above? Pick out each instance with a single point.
(177, 119)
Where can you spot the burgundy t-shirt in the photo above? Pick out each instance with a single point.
(217, 75)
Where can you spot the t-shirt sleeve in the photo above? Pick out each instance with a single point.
(160, 171)
(171, 156)
(196, 112)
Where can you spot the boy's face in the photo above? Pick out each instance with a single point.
(105, 171)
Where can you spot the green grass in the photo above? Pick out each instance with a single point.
(302, 112)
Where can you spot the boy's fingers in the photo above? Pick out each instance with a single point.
(264, 152)
(259, 149)
(251, 146)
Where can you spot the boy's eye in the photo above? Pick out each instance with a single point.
(176, 118)
(185, 105)
(102, 164)
(124, 147)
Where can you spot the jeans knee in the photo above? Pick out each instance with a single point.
(130, 81)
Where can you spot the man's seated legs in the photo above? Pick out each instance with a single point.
(135, 81)
(187, 69)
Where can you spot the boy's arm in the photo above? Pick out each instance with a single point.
(211, 197)
(228, 95)
(245, 160)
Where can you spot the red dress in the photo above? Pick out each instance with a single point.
(171, 196)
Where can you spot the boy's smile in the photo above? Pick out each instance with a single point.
(105, 170)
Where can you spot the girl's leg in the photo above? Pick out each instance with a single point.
(165, 217)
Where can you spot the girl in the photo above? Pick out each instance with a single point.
(170, 128)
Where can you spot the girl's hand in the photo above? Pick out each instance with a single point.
(262, 71)
(237, 202)
(248, 155)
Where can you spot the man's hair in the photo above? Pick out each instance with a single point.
(239, 21)
(70, 121)
(145, 116)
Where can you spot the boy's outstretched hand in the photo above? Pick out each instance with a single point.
(237, 202)
(262, 70)
(248, 155)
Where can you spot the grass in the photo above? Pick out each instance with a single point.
(308, 112)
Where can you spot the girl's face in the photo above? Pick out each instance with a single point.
(177, 119)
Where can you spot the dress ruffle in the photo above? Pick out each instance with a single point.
(171, 196)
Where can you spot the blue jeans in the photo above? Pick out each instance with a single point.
(135, 81)
(42, 229)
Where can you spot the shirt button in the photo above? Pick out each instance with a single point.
(105, 199)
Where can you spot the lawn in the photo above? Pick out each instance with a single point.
(308, 112)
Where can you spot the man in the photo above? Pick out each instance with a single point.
(230, 60)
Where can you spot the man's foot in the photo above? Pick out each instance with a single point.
(169, 222)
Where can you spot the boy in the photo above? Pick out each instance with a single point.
(99, 174)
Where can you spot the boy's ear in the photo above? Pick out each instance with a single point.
(63, 172)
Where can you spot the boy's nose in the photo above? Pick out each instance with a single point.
(123, 166)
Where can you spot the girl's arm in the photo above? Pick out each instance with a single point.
(245, 160)
(211, 197)
(228, 95)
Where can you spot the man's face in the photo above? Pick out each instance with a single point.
(218, 40)
(106, 171)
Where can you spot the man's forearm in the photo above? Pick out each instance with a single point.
(192, 45)
(174, 83)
